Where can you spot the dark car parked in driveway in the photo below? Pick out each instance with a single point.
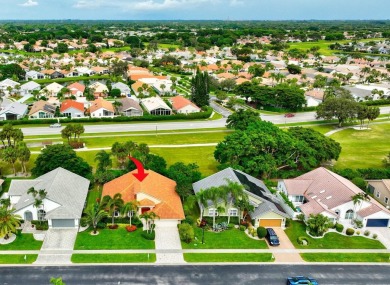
(272, 237)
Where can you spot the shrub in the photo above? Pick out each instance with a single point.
(131, 228)
(41, 225)
(367, 233)
(301, 217)
(148, 236)
(186, 232)
(83, 222)
(358, 224)
(374, 236)
(358, 233)
(261, 232)
(350, 231)
(287, 223)
(188, 220)
(242, 228)
(101, 225)
(76, 145)
(339, 228)
(302, 240)
(244, 223)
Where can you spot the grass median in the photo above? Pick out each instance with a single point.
(346, 257)
(228, 257)
(18, 258)
(114, 258)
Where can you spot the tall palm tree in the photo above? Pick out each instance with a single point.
(116, 105)
(94, 215)
(112, 204)
(129, 209)
(149, 218)
(23, 154)
(9, 221)
(103, 159)
(242, 205)
(233, 191)
(199, 199)
(216, 196)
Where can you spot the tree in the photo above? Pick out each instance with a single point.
(318, 224)
(358, 199)
(186, 233)
(362, 114)
(60, 155)
(67, 132)
(62, 48)
(9, 222)
(104, 160)
(23, 154)
(294, 69)
(200, 89)
(78, 129)
(94, 215)
(117, 105)
(341, 106)
(218, 199)
(149, 218)
(10, 155)
(102, 177)
(10, 135)
(241, 119)
(119, 150)
(115, 92)
(243, 205)
(234, 191)
(256, 70)
(372, 113)
(119, 68)
(228, 84)
(113, 204)
(184, 175)
(130, 209)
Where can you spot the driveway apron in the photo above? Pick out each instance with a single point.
(286, 244)
(167, 238)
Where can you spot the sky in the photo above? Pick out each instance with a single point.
(195, 9)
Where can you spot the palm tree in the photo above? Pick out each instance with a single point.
(9, 221)
(112, 204)
(198, 199)
(149, 218)
(119, 150)
(234, 192)
(129, 209)
(10, 156)
(242, 205)
(215, 195)
(103, 159)
(94, 215)
(131, 147)
(116, 105)
(23, 154)
(358, 200)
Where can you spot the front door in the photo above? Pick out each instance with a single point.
(28, 216)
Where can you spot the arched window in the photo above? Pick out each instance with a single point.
(349, 214)
(41, 215)
(337, 212)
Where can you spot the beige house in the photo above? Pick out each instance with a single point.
(380, 190)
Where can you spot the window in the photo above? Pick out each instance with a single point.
(131, 213)
(41, 215)
(349, 215)
(386, 200)
(378, 194)
(337, 212)
(116, 213)
(213, 212)
(298, 199)
(233, 212)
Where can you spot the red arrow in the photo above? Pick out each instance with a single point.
(141, 175)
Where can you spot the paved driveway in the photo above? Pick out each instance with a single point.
(57, 247)
(383, 235)
(285, 244)
(167, 237)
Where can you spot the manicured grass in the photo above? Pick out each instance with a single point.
(93, 195)
(229, 239)
(17, 258)
(323, 129)
(114, 258)
(363, 148)
(228, 257)
(113, 239)
(23, 242)
(330, 240)
(346, 257)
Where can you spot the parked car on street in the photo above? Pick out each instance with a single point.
(272, 237)
(56, 125)
(301, 280)
(289, 115)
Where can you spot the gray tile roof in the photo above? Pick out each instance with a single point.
(63, 187)
(15, 108)
(253, 187)
(128, 103)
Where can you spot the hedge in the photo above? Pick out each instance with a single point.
(193, 116)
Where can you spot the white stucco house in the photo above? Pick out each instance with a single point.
(322, 191)
(124, 88)
(182, 105)
(64, 202)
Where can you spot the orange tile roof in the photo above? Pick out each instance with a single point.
(77, 86)
(71, 104)
(139, 76)
(101, 103)
(179, 102)
(146, 202)
(154, 185)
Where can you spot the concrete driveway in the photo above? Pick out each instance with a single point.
(286, 244)
(383, 235)
(57, 247)
(167, 237)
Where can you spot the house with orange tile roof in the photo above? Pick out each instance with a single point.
(76, 89)
(101, 108)
(322, 191)
(99, 89)
(72, 109)
(182, 105)
(156, 193)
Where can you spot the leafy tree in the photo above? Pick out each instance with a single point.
(78, 129)
(102, 177)
(23, 154)
(372, 113)
(104, 160)
(256, 70)
(112, 204)
(94, 215)
(120, 152)
(318, 224)
(62, 48)
(200, 89)
(119, 68)
(184, 175)
(228, 84)
(115, 92)
(186, 233)
(362, 113)
(9, 222)
(67, 132)
(241, 119)
(10, 155)
(11, 71)
(294, 69)
(61, 156)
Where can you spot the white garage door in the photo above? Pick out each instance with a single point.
(62, 223)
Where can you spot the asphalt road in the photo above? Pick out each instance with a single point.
(164, 126)
(190, 274)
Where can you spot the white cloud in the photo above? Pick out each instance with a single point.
(141, 5)
(29, 3)
(236, 3)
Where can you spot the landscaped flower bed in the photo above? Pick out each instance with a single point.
(131, 228)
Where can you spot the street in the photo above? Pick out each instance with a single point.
(271, 274)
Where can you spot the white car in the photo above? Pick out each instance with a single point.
(56, 125)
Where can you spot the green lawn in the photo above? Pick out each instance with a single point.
(113, 258)
(330, 240)
(323, 129)
(17, 258)
(23, 242)
(229, 239)
(93, 194)
(365, 148)
(228, 257)
(346, 257)
(113, 239)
